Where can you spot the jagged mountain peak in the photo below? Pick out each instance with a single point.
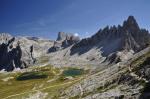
(131, 24)
(132, 20)
(110, 40)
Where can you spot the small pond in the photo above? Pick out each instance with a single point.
(32, 75)
(73, 72)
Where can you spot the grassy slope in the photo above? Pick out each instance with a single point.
(51, 85)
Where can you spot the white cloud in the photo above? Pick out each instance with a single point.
(76, 34)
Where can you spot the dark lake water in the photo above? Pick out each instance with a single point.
(73, 72)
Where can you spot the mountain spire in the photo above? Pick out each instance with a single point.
(131, 24)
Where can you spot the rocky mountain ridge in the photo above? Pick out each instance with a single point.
(128, 37)
(111, 44)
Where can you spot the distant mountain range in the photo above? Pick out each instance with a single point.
(111, 44)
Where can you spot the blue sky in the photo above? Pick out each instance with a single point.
(45, 18)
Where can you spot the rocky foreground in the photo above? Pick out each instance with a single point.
(124, 80)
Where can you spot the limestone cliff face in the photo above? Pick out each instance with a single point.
(110, 40)
(20, 52)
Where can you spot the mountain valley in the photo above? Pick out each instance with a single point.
(114, 63)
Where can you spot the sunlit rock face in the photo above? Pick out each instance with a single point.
(4, 37)
(67, 36)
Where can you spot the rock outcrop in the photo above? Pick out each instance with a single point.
(20, 52)
(10, 56)
(63, 41)
(67, 36)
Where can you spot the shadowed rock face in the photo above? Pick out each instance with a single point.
(10, 55)
(21, 52)
(112, 39)
(10, 58)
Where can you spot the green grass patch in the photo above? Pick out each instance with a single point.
(75, 97)
(24, 82)
(36, 78)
